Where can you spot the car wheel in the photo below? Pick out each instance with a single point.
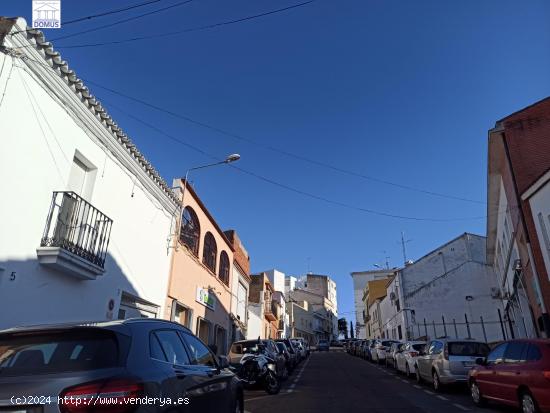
(238, 407)
(436, 383)
(528, 403)
(284, 373)
(273, 385)
(417, 374)
(477, 398)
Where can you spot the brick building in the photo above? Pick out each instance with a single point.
(518, 243)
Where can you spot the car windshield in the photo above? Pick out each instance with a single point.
(45, 353)
(250, 347)
(387, 343)
(468, 348)
(418, 347)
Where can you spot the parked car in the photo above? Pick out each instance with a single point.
(378, 353)
(366, 349)
(371, 349)
(406, 359)
(391, 352)
(355, 347)
(351, 345)
(289, 360)
(323, 345)
(361, 350)
(118, 359)
(300, 348)
(292, 350)
(516, 373)
(240, 348)
(303, 345)
(448, 361)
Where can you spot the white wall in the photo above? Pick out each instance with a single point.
(255, 326)
(36, 152)
(540, 207)
(277, 279)
(290, 284)
(437, 285)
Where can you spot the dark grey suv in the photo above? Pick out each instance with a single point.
(121, 366)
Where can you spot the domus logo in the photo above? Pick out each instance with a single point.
(46, 14)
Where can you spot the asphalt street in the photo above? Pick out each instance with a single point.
(336, 382)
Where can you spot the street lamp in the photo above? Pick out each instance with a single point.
(229, 159)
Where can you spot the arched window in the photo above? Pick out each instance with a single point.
(209, 252)
(224, 268)
(190, 230)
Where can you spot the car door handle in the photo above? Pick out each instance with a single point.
(180, 374)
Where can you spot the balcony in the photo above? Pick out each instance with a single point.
(270, 310)
(75, 238)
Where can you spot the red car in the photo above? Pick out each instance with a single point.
(516, 373)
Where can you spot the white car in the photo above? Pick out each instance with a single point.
(300, 343)
(406, 359)
(379, 350)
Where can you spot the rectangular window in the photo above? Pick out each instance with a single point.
(57, 352)
(241, 302)
(82, 176)
(203, 329)
(171, 346)
(544, 231)
(399, 332)
(182, 315)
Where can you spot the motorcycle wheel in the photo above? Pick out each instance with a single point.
(272, 383)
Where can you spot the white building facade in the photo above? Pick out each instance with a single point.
(360, 280)
(449, 292)
(84, 235)
(278, 281)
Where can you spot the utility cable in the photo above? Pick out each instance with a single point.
(94, 29)
(93, 16)
(287, 187)
(192, 29)
(268, 147)
(284, 152)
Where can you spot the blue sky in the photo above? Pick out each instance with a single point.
(403, 91)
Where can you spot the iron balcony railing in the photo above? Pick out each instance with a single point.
(76, 226)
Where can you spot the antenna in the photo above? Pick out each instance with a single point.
(403, 242)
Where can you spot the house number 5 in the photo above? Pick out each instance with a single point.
(12, 276)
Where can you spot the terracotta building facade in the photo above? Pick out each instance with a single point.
(199, 293)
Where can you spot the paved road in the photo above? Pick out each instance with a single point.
(338, 382)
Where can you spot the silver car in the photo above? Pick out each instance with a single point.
(447, 361)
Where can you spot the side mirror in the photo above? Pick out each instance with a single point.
(223, 362)
(480, 361)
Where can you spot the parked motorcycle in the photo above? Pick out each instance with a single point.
(255, 367)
